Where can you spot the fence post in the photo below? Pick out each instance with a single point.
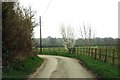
(89, 51)
(113, 56)
(92, 52)
(84, 51)
(105, 59)
(100, 53)
(95, 52)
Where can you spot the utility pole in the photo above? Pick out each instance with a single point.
(40, 36)
(40, 26)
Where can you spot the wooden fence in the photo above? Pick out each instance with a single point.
(109, 55)
(103, 54)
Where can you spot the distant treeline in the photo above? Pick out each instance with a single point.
(108, 41)
(58, 42)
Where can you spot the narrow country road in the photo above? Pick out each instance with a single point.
(61, 67)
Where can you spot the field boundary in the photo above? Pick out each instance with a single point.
(107, 55)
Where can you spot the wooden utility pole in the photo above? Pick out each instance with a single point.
(40, 26)
(40, 36)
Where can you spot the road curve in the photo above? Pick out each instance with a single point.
(61, 67)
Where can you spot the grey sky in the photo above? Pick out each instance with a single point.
(101, 14)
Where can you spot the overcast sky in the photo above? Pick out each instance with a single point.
(102, 15)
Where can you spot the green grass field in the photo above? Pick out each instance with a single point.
(112, 52)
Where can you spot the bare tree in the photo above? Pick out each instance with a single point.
(68, 36)
(87, 33)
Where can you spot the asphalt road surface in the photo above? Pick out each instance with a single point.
(61, 67)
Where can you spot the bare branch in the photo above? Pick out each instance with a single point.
(87, 33)
(68, 36)
(81, 33)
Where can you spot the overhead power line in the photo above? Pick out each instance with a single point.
(47, 7)
(40, 24)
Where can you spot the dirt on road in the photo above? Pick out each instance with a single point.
(61, 67)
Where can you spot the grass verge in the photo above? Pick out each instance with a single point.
(103, 70)
(22, 69)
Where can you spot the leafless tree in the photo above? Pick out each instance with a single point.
(87, 33)
(68, 36)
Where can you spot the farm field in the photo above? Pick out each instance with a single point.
(108, 54)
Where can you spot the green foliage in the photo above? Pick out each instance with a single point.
(22, 68)
(105, 70)
(17, 31)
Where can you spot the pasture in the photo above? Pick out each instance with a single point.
(107, 54)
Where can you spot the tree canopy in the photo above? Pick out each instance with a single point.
(17, 31)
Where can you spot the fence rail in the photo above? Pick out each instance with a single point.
(109, 55)
(103, 54)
